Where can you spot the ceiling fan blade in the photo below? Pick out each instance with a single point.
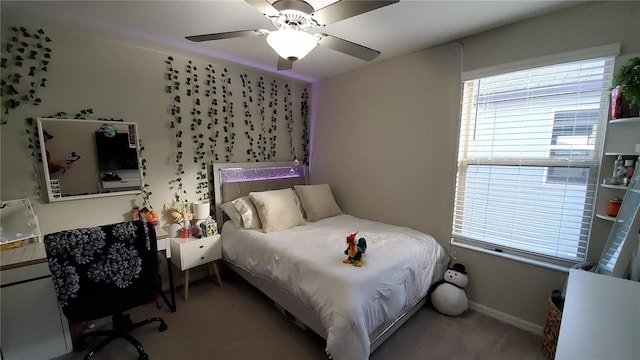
(347, 47)
(284, 64)
(264, 7)
(345, 9)
(227, 35)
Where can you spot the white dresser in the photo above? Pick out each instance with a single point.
(601, 318)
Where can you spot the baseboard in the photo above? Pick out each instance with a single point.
(506, 318)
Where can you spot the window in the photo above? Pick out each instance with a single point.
(573, 137)
(528, 159)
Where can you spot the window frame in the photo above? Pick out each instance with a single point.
(592, 164)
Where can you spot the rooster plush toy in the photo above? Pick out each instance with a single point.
(355, 252)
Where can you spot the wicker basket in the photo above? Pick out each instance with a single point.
(551, 331)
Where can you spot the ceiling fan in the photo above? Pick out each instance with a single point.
(293, 18)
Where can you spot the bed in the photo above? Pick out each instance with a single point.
(300, 267)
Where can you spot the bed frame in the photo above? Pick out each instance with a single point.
(234, 180)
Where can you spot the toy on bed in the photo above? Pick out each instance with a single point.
(355, 252)
(447, 295)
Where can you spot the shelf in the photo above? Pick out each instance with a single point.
(617, 187)
(621, 153)
(625, 120)
(606, 217)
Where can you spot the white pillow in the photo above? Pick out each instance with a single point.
(247, 210)
(232, 213)
(317, 201)
(277, 209)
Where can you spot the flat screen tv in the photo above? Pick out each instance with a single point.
(115, 152)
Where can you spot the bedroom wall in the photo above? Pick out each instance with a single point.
(386, 138)
(129, 82)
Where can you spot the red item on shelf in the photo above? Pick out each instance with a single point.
(614, 207)
(616, 103)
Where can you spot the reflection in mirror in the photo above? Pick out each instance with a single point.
(17, 221)
(87, 158)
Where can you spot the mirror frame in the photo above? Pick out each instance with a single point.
(623, 239)
(52, 193)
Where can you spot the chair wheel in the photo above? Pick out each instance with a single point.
(163, 327)
(143, 356)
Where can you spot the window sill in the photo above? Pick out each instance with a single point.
(512, 256)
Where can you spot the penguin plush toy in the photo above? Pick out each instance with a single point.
(447, 295)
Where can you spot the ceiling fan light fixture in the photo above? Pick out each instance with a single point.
(292, 44)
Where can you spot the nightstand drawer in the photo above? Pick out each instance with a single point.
(189, 253)
(198, 253)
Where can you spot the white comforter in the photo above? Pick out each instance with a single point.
(400, 264)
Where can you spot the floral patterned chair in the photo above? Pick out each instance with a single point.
(104, 271)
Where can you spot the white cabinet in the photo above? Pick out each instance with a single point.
(32, 323)
(187, 253)
(601, 318)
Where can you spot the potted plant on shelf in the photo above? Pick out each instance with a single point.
(625, 95)
(181, 214)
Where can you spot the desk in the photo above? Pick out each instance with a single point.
(601, 318)
(164, 242)
(32, 323)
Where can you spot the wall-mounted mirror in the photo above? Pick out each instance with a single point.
(623, 238)
(86, 158)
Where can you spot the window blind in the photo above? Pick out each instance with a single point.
(528, 158)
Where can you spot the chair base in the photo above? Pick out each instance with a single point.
(122, 325)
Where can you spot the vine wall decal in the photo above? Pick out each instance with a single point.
(173, 88)
(273, 104)
(25, 58)
(304, 115)
(288, 116)
(197, 133)
(252, 155)
(212, 113)
(271, 128)
(227, 110)
(262, 138)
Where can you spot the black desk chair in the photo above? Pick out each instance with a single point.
(105, 271)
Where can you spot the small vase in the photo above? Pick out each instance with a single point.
(174, 230)
(184, 233)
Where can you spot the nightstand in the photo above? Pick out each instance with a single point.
(187, 253)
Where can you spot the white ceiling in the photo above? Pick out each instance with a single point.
(395, 30)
